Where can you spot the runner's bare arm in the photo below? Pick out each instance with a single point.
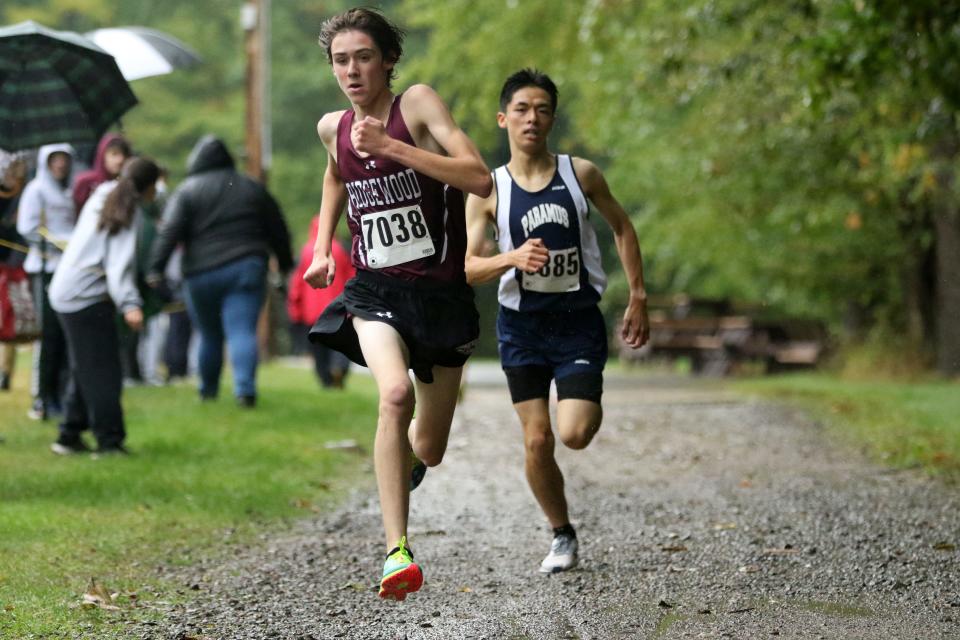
(322, 269)
(422, 108)
(482, 268)
(636, 325)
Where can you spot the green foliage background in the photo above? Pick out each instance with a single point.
(783, 154)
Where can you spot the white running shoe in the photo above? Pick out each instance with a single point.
(562, 556)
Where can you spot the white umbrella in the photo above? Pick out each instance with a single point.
(142, 52)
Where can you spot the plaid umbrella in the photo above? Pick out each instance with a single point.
(56, 86)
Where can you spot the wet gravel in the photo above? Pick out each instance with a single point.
(700, 515)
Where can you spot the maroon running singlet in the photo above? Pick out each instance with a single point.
(403, 224)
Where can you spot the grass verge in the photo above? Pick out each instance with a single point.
(903, 424)
(202, 477)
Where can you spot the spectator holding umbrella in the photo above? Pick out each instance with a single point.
(46, 219)
(228, 224)
(97, 278)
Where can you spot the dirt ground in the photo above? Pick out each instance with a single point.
(700, 515)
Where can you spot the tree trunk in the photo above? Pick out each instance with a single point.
(947, 224)
(946, 221)
(918, 276)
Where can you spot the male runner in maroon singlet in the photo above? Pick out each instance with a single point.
(400, 164)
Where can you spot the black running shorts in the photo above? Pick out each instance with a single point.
(529, 382)
(438, 321)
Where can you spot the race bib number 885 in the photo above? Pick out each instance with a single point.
(395, 236)
(561, 273)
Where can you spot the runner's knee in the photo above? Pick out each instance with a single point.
(539, 443)
(579, 438)
(431, 454)
(396, 399)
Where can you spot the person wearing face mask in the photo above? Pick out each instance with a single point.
(144, 352)
(228, 225)
(97, 279)
(46, 219)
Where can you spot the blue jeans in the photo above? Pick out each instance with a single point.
(225, 302)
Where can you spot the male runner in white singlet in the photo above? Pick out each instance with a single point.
(549, 326)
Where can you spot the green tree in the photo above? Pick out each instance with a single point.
(909, 55)
(777, 152)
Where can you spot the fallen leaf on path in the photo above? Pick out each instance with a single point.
(301, 503)
(673, 548)
(356, 586)
(722, 526)
(98, 596)
(465, 590)
(945, 546)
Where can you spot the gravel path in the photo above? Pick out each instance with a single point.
(700, 515)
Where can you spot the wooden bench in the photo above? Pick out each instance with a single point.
(719, 344)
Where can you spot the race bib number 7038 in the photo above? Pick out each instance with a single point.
(395, 236)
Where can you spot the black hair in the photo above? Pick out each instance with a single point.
(528, 78)
(138, 175)
(387, 36)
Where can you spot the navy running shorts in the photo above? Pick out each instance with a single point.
(568, 346)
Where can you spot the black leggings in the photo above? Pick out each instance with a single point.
(51, 367)
(96, 381)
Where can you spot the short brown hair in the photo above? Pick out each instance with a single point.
(387, 36)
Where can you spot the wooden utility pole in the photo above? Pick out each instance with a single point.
(255, 17)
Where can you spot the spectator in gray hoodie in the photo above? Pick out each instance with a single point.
(95, 279)
(46, 219)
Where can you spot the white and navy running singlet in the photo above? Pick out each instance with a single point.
(573, 277)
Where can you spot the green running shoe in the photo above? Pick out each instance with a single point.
(400, 574)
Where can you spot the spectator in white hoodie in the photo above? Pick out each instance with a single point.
(46, 219)
(96, 279)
